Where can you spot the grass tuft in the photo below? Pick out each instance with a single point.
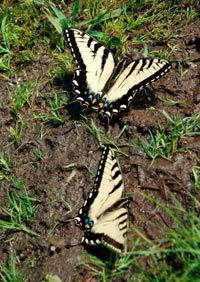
(21, 210)
(22, 96)
(56, 103)
(5, 167)
(165, 141)
(4, 47)
(8, 272)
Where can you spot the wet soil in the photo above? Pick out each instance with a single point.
(60, 193)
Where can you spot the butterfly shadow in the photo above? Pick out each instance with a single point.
(144, 99)
(107, 256)
(104, 254)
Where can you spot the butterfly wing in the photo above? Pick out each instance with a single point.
(108, 189)
(95, 64)
(132, 79)
(104, 215)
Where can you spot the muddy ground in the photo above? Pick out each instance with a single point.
(60, 197)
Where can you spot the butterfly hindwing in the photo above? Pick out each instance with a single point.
(115, 223)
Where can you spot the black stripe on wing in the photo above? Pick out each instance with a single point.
(112, 244)
(116, 186)
(104, 58)
(115, 168)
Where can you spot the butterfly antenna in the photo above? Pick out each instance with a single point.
(63, 222)
(67, 246)
(57, 249)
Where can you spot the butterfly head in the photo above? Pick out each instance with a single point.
(91, 100)
(88, 223)
(96, 98)
(102, 103)
(84, 223)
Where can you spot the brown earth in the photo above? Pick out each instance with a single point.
(60, 196)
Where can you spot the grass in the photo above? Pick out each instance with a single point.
(172, 102)
(22, 96)
(52, 113)
(64, 67)
(4, 47)
(20, 211)
(56, 104)
(16, 132)
(165, 141)
(196, 175)
(102, 138)
(116, 19)
(8, 272)
(5, 167)
(38, 154)
(98, 134)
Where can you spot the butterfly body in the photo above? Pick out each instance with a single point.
(103, 217)
(97, 80)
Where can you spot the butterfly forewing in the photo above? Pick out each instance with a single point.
(95, 63)
(109, 184)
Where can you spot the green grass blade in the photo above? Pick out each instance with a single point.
(75, 10)
(104, 16)
(3, 30)
(60, 21)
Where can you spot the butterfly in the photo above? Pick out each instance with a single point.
(97, 80)
(104, 215)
